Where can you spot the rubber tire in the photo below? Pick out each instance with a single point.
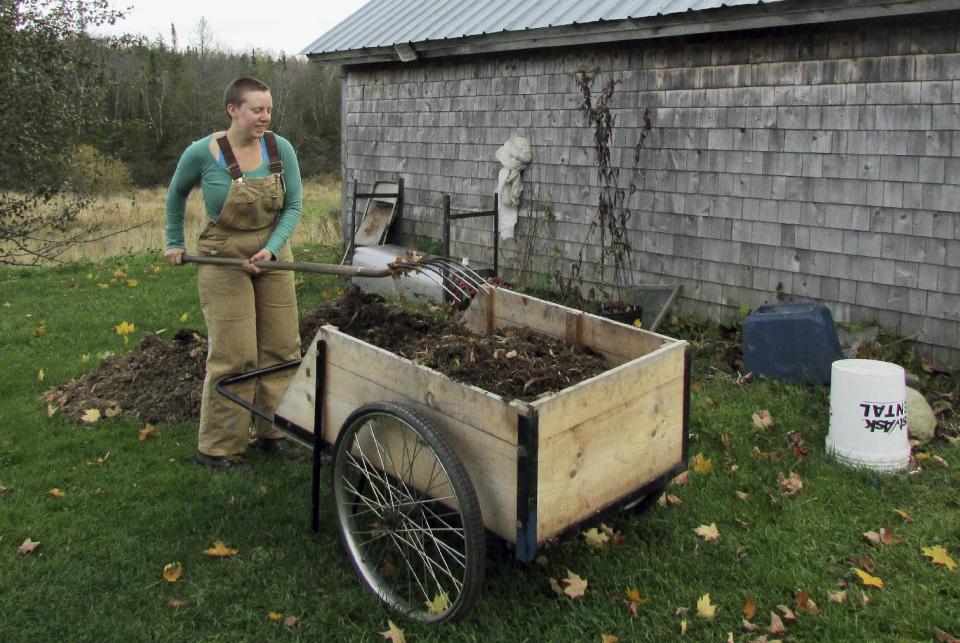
(470, 515)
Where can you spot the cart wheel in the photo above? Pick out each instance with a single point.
(408, 514)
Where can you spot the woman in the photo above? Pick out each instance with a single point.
(252, 192)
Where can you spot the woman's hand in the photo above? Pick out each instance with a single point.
(174, 256)
(263, 255)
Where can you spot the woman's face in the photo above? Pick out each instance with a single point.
(252, 116)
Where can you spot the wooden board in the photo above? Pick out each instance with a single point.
(618, 343)
(358, 373)
(598, 446)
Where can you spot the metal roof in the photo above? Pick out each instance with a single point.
(384, 23)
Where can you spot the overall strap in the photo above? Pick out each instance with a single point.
(273, 154)
(233, 167)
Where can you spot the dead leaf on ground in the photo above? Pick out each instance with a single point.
(787, 612)
(868, 579)
(725, 441)
(669, 500)
(573, 585)
(742, 496)
(615, 535)
(903, 514)
(4, 489)
(595, 538)
(939, 556)
(633, 596)
(749, 608)
(51, 410)
(770, 456)
(172, 572)
(791, 485)
(776, 625)
(708, 532)
(393, 633)
(701, 464)
(706, 609)
(748, 626)
(148, 432)
(881, 537)
(56, 493)
(291, 621)
(864, 562)
(839, 597)
(438, 605)
(709, 401)
(944, 637)
(27, 547)
(176, 602)
(90, 416)
(682, 478)
(100, 460)
(683, 627)
(805, 604)
(274, 617)
(220, 550)
(940, 461)
(762, 419)
(112, 411)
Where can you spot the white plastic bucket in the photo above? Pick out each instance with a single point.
(868, 415)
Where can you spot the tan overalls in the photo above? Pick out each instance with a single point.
(252, 320)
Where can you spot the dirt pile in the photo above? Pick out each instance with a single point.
(156, 381)
(161, 381)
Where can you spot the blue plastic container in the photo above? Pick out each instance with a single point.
(791, 342)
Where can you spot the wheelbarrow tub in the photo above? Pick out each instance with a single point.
(539, 468)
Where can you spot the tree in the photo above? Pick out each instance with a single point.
(53, 88)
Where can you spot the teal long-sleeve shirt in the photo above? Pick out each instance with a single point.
(198, 167)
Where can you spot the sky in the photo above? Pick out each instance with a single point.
(270, 25)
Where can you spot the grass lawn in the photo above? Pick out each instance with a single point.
(97, 572)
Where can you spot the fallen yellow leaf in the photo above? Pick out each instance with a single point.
(837, 597)
(708, 532)
(119, 274)
(184, 317)
(903, 514)
(939, 556)
(39, 330)
(90, 416)
(633, 595)
(40, 375)
(147, 432)
(273, 617)
(176, 602)
(705, 609)
(702, 464)
(610, 638)
(172, 572)
(439, 604)
(681, 478)
(762, 419)
(56, 493)
(220, 550)
(393, 633)
(867, 579)
(84, 358)
(749, 608)
(573, 585)
(595, 538)
(683, 627)
(669, 500)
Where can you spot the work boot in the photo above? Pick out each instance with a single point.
(222, 462)
(280, 448)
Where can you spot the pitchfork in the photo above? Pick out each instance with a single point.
(460, 282)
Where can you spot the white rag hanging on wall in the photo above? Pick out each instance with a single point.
(515, 156)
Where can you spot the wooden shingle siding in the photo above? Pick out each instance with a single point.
(822, 163)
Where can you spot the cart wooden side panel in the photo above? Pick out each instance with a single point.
(605, 438)
(479, 426)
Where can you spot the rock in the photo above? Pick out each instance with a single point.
(920, 418)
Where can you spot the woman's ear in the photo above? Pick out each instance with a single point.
(231, 110)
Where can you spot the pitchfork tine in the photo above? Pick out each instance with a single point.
(430, 272)
(469, 276)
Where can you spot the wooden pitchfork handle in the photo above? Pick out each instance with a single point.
(393, 270)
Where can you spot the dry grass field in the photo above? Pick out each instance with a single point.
(135, 221)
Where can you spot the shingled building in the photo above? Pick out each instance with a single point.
(801, 149)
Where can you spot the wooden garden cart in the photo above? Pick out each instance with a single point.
(423, 465)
